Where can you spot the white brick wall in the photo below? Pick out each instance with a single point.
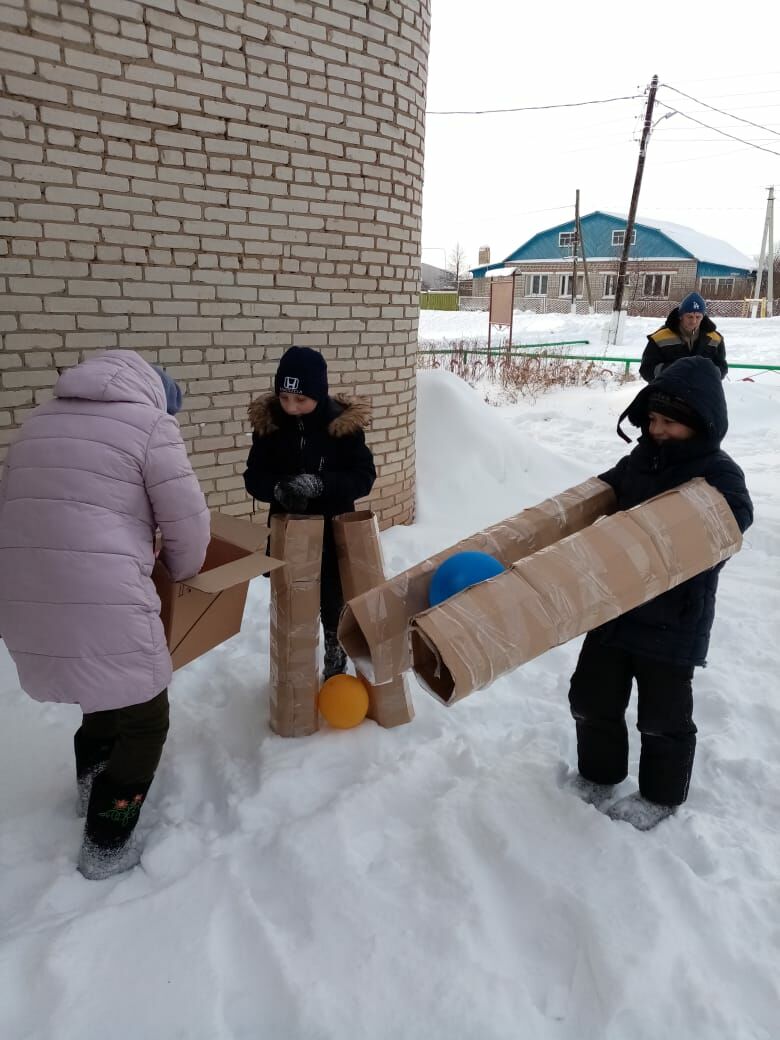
(208, 183)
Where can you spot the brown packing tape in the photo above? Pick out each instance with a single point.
(567, 589)
(295, 624)
(470, 640)
(361, 568)
(595, 574)
(359, 551)
(374, 625)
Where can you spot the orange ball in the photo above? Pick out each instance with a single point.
(343, 701)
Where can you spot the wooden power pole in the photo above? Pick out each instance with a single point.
(640, 166)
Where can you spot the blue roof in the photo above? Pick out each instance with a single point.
(653, 240)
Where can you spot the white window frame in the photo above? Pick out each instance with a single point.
(713, 291)
(619, 237)
(614, 276)
(564, 286)
(665, 285)
(566, 239)
(531, 278)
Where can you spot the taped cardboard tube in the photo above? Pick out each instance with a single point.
(374, 624)
(569, 588)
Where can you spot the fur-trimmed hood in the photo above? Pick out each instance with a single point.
(345, 415)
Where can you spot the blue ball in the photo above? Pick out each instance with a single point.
(460, 572)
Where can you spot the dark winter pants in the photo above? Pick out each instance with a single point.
(599, 695)
(331, 594)
(136, 736)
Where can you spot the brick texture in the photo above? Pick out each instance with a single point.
(208, 183)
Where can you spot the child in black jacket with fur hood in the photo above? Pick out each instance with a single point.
(683, 418)
(309, 455)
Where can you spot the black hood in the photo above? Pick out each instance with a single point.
(695, 380)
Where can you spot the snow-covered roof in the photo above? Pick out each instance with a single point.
(500, 272)
(710, 250)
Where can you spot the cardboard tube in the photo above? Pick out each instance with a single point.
(374, 625)
(295, 624)
(567, 589)
(362, 568)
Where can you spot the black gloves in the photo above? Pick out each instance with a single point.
(293, 493)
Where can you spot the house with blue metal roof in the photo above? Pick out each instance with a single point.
(666, 261)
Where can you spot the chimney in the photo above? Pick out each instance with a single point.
(484, 255)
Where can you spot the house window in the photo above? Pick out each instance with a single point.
(610, 285)
(566, 240)
(565, 285)
(717, 288)
(537, 285)
(619, 237)
(656, 285)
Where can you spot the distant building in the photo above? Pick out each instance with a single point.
(666, 262)
(436, 278)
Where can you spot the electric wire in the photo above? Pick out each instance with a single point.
(530, 108)
(720, 111)
(707, 126)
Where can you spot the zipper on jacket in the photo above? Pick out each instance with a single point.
(302, 430)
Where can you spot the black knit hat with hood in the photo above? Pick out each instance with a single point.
(690, 391)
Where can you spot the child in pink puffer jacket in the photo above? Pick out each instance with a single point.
(91, 476)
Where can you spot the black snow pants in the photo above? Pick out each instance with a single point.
(599, 694)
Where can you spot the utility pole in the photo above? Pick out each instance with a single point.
(579, 239)
(765, 256)
(770, 267)
(614, 334)
(574, 253)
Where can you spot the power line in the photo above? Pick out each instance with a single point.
(717, 131)
(531, 108)
(720, 111)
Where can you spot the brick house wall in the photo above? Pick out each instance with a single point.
(208, 183)
(682, 280)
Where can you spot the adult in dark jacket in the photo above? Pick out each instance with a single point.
(683, 418)
(686, 332)
(309, 455)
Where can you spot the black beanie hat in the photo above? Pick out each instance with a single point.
(302, 371)
(674, 408)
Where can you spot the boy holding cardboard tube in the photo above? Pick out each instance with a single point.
(683, 418)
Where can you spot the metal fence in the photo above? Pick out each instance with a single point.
(637, 308)
(438, 301)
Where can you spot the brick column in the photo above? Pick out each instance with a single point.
(208, 183)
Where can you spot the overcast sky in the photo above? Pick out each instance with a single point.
(499, 179)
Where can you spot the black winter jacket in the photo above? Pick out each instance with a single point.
(329, 442)
(675, 626)
(666, 345)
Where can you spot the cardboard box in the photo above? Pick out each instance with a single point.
(374, 625)
(570, 587)
(361, 568)
(204, 611)
(295, 624)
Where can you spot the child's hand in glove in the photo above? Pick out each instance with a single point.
(293, 493)
(307, 485)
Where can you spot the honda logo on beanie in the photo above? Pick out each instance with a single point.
(302, 371)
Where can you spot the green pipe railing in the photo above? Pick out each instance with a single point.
(608, 359)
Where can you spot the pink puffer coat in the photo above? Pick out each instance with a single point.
(91, 476)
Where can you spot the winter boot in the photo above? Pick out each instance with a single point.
(91, 758)
(588, 791)
(107, 847)
(640, 812)
(335, 657)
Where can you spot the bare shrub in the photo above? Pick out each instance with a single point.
(516, 374)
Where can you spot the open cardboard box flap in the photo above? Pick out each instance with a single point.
(204, 611)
